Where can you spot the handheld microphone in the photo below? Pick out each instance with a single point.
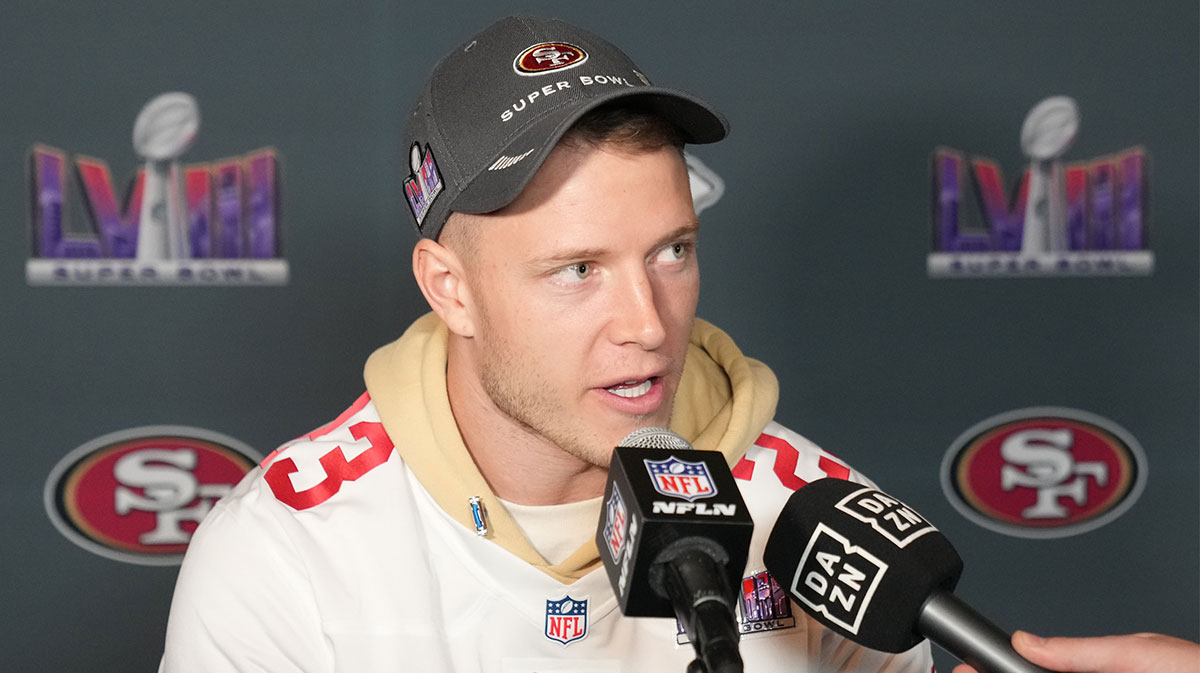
(674, 535)
(869, 567)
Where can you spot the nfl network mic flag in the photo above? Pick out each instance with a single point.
(655, 497)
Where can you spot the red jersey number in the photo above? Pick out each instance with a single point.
(786, 459)
(337, 468)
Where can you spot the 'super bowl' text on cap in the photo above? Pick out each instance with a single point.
(494, 108)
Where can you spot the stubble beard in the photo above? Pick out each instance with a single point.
(512, 383)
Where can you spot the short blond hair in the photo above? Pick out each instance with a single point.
(627, 125)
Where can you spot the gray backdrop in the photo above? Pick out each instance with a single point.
(814, 261)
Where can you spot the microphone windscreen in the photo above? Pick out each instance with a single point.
(860, 562)
(654, 437)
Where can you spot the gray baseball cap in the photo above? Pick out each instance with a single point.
(494, 108)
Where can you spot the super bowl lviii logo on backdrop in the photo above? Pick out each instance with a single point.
(213, 223)
(1044, 472)
(1084, 218)
(137, 495)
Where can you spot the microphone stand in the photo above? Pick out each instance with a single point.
(694, 581)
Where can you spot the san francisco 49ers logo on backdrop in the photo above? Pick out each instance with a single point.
(548, 56)
(138, 495)
(681, 478)
(1044, 472)
(566, 619)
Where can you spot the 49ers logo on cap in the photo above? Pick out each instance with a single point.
(546, 56)
(138, 495)
(1044, 472)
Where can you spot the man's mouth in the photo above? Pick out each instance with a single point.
(631, 389)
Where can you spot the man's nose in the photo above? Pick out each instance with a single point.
(636, 317)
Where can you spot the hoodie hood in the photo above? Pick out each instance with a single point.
(723, 402)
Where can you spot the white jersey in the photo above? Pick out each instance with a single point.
(331, 556)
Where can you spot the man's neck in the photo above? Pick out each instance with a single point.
(520, 465)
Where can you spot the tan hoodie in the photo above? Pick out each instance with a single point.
(724, 401)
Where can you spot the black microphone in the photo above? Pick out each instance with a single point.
(869, 567)
(674, 535)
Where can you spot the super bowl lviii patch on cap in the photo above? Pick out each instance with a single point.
(424, 182)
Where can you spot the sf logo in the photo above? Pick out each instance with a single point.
(1042, 460)
(161, 481)
(551, 55)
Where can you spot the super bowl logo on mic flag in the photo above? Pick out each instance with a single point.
(764, 604)
(681, 478)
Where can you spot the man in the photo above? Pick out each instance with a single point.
(445, 521)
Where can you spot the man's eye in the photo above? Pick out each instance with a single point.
(575, 272)
(674, 252)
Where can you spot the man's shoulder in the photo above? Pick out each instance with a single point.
(316, 468)
(782, 459)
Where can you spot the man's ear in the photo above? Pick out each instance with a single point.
(440, 275)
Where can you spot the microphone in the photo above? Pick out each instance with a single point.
(869, 567)
(674, 535)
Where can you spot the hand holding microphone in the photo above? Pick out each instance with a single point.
(1132, 653)
(674, 535)
(870, 568)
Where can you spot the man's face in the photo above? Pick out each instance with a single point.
(585, 288)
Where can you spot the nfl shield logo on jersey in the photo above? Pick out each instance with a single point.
(681, 478)
(566, 619)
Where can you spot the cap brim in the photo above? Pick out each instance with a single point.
(491, 190)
